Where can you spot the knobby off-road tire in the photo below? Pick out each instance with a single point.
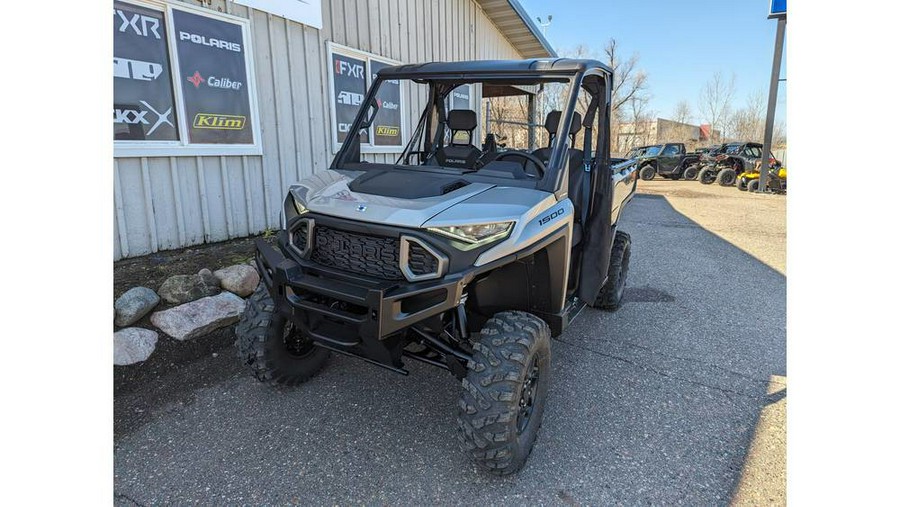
(741, 184)
(690, 172)
(271, 348)
(706, 176)
(726, 177)
(504, 392)
(611, 294)
(753, 186)
(647, 172)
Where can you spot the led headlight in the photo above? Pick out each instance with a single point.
(475, 235)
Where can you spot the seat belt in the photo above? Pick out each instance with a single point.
(586, 182)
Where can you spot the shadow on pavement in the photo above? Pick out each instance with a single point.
(655, 403)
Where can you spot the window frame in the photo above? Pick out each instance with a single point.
(333, 48)
(183, 146)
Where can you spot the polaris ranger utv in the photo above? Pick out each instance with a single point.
(462, 258)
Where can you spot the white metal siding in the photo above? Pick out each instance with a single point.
(171, 202)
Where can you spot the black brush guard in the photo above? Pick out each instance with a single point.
(360, 317)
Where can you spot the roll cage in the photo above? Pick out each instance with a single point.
(590, 76)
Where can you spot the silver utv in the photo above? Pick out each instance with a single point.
(466, 256)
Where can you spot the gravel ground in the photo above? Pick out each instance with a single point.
(660, 402)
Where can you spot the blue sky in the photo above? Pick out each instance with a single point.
(681, 43)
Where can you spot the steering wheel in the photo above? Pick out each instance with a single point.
(527, 156)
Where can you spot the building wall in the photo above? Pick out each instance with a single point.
(171, 202)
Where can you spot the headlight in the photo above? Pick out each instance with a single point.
(475, 235)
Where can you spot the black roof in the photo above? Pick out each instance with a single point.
(449, 70)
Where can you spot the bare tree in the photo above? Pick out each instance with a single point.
(715, 102)
(748, 123)
(682, 112)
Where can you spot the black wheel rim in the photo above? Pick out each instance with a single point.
(295, 343)
(529, 393)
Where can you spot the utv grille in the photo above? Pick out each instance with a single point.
(421, 262)
(374, 256)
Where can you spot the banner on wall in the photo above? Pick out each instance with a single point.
(388, 128)
(213, 73)
(351, 73)
(143, 98)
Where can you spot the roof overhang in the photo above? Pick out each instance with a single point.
(515, 24)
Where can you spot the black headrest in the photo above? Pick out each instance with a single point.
(462, 119)
(552, 122)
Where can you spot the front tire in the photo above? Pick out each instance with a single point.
(647, 172)
(504, 392)
(273, 350)
(706, 176)
(726, 177)
(690, 172)
(753, 186)
(741, 184)
(613, 291)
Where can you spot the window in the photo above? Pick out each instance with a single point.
(652, 151)
(351, 74)
(183, 82)
(671, 149)
(753, 151)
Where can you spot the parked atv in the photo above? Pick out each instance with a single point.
(733, 160)
(463, 259)
(667, 160)
(775, 182)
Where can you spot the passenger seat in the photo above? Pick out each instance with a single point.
(459, 155)
(576, 164)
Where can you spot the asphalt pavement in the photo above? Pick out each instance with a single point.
(659, 402)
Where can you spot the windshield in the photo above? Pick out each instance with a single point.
(474, 126)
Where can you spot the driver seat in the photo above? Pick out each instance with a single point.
(459, 155)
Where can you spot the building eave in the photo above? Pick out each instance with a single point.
(515, 24)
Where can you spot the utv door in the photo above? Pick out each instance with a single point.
(669, 158)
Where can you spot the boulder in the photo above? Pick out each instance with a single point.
(134, 304)
(133, 345)
(186, 288)
(199, 317)
(240, 279)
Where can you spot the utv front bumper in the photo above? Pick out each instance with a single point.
(350, 314)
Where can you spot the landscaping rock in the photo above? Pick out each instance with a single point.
(133, 345)
(199, 317)
(240, 279)
(187, 288)
(134, 304)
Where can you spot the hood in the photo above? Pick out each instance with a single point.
(329, 193)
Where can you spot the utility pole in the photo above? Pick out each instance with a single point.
(778, 11)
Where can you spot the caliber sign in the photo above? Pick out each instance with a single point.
(213, 72)
(143, 100)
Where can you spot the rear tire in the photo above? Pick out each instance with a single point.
(273, 350)
(647, 172)
(611, 294)
(753, 186)
(690, 172)
(706, 176)
(504, 392)
(741, 184)
(726, 177)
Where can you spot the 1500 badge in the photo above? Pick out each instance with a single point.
(551, 216)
